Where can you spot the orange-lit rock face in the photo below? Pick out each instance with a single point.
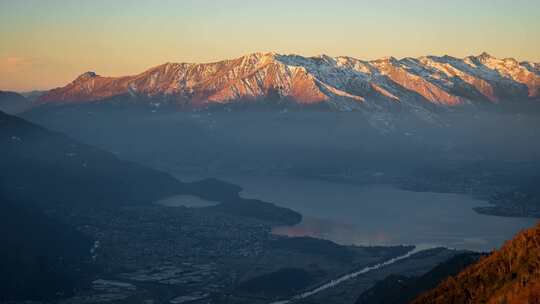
(448, 70)
(511, 69)
(445, 81)
(88, 87)
(510, 275)
(304, 89)
(412, 82)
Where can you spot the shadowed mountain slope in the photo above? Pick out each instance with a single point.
(50, 168)
(11, 102)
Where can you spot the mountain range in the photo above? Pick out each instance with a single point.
(342, 83)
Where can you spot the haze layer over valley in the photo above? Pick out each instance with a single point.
(280, 156)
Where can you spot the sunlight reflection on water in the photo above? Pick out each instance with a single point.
(383, 215)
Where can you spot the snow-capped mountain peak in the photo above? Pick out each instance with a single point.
(343, 82)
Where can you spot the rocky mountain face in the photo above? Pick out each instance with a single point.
(343, 83)
(510, 275)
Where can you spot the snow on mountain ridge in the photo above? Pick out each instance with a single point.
(343, 82)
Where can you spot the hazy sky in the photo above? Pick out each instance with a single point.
(47, 43)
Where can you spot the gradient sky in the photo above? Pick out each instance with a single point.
(47, 43)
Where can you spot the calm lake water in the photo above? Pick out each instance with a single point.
(382, 214)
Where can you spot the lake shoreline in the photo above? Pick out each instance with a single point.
(382, 214)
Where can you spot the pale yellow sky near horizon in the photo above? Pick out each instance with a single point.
(46, 44)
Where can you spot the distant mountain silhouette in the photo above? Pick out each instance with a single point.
(50, 168)
(11, 102)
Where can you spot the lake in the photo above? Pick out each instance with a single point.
(382, 214)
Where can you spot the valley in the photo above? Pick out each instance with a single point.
(269, 152)
(157, 254)
(337, 209)
(259, 196)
